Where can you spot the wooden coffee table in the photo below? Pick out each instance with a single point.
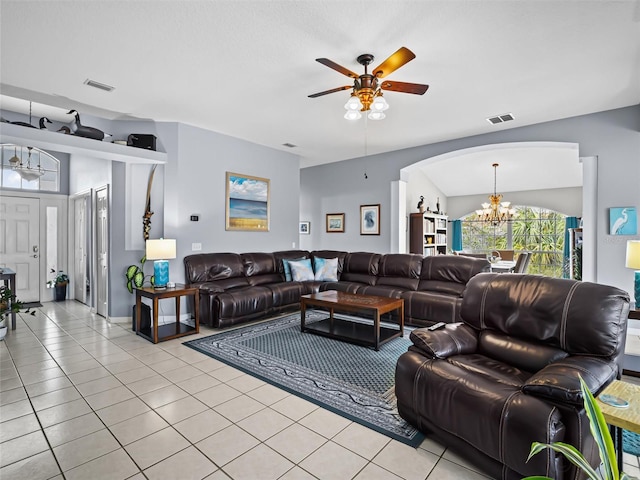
(350, 330)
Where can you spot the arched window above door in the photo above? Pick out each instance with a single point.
(28, 168)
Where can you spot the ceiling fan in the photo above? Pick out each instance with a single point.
(367, 88)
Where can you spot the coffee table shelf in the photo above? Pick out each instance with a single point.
(352, 331)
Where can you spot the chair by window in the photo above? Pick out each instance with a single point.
(506, 254)
(522, 262)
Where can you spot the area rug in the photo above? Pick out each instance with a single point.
(353, 381)
(631, 442)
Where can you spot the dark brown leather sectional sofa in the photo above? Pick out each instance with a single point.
(237, 287)
(507, 375)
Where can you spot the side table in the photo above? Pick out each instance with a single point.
(157, 333)
(8, 276)
(619, 418)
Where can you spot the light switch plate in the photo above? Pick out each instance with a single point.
(196, 247)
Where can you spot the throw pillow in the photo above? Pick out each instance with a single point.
(287, 268)
(326, 269)
(301, 270)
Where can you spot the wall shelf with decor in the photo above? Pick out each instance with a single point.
(59, 142)
(428, 234)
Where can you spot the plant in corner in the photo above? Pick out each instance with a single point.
(600, 432)
(136, 278)
(59, 283)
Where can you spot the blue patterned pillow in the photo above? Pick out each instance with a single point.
(287, 268)
(326, 269)
(301, 270)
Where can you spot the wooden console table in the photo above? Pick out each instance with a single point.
(8, 276)
(157, 333)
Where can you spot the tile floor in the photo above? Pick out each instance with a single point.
(84, 399)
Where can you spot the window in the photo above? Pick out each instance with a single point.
(13, 156)
(532, 229)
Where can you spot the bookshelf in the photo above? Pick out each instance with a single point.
(428, 234)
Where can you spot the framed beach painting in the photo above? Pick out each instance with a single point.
(335, 222)
(247, 205)
(623, 221)
(370, 219)
(304, 228)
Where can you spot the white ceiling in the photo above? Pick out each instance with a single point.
(245, 68)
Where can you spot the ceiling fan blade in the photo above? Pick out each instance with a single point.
(333, 90)
(394, 62)
(415, 88)
(336, 67)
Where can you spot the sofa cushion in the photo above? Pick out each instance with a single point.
(245, 301)
(526, 355)
(553, 311)
(325, 269)
(400, 270)
(452, 268)
(287, 268)
(281, 255)
(286, 293)
(301, 270)
(440, 286)
(432, 306)
(206, 267)
(361, 267)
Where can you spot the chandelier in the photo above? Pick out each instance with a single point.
(25, 170)
(495, 212)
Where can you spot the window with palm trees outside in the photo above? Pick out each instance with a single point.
(532, 229)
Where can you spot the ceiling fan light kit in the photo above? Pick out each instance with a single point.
(367, 90)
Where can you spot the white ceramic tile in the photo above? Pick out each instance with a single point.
(343, 464)
(293, 407)
(361, 440)
(115, 465)
(42, 466)
(296, 442)
(216, 395)
(198, 383)
(226, 373)
(22, 447)
(15, 410)
(179, 410)
(156, 447)
(324, 422)
(407, 462)
(374, 472)
(152, 382)
(259, 462)
(13, 395)
(162, 396)
(202, 425)
(296, 473)
(239, 408)
(138, 427)
(446, 470)
(265, 423)
(89, 375)
(109, 397)
(122, 411)
(245, 383)
(72, 429)
(98, 385)
(47, 386)
(188, 463)
(84, 449)
(54, 398)
(224, 446)
(182, 373)
(18, 426)
(167, 365)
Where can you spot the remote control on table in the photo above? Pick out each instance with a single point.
(436, 326)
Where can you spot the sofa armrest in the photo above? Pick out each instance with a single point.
(208, 288)
(453, 339)
(559, 381)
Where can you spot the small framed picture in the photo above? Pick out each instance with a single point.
(305, 228)
(335, 222)
(370, 219)
(623, 221)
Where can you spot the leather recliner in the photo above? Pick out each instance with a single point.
(507, 375)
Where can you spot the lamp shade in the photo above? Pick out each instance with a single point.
(633, 254)
(161, 249)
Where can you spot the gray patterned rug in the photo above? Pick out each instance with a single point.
(353, 381)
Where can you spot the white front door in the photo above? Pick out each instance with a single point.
(102, 250)
(19, 244)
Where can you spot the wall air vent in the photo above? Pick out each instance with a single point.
(505, 117)
(289, 145)
(98, 85)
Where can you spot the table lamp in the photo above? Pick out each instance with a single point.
(161, 250)
(633, 261)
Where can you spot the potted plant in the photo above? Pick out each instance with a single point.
(609, 467)
(59, 284)
(136, 278)
(8, 304)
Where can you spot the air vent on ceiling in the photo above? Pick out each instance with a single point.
(505, 117)
(101, 86)
(289, 145)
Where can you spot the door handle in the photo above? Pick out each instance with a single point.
(35, 256)
(35, 249)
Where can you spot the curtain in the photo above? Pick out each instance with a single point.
(570, 222)
(456, 236)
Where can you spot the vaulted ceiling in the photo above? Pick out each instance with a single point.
(246, 68)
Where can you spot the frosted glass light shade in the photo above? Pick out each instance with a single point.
(633, 254)
(352, 115)
(353, 103)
